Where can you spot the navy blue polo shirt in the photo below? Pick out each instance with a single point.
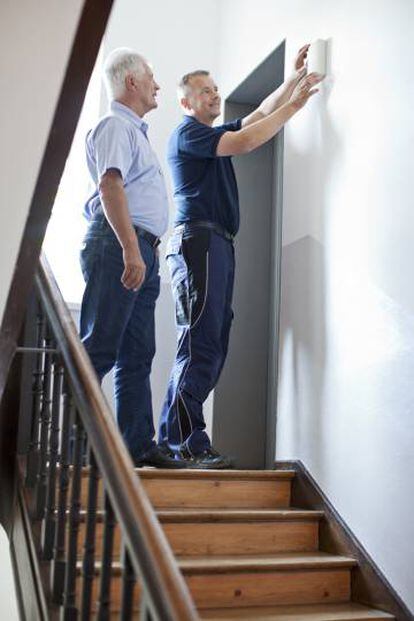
(205, 186)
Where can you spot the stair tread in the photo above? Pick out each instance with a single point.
(223, 475)
(227, 515)
(265, 562)
(189, 473)
(315, 612)
(236, 515)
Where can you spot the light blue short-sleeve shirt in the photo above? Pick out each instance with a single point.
(119, 141)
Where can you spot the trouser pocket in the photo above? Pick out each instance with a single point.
(188, 262)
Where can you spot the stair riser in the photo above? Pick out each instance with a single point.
(242, 538)
(210, 494)
(270, 588)
(203, 539)
(255, 589)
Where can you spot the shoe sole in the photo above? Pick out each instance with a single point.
(225, 466)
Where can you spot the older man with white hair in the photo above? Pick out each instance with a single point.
(127, 214)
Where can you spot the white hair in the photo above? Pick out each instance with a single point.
(120, 63)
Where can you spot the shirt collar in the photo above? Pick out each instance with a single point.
(187, 118)
(122, 110)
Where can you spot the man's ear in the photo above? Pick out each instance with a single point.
(130, 82)
(184, 102)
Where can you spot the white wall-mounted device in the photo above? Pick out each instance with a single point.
(316, 59)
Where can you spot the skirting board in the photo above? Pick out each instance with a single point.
(369, 585)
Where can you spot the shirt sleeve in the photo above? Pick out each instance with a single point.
(113, 147)
(200, 141)
(232, 126)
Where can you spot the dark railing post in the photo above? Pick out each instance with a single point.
(49, 522)
(128, 584)
(59, 560)
(106, 568)
(28, 361)
(70, 610)
(45, 420)
(33, 456)
(88, 567)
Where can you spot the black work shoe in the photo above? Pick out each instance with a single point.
(209, 459)
(160, 457)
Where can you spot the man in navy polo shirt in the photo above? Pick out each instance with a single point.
(127, 213)
(201, 254)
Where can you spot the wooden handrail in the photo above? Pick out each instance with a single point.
(149, 550)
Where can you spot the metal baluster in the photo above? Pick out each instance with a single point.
(33, 456)
(88, 565)
(49, 522)
(29, 340)
(70, 611)
(45, 418)
(128, 584)
(59, 561)
(106, 568)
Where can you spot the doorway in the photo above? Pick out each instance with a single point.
(245, 400)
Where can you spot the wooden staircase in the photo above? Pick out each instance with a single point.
(91, 539)
(244, 551)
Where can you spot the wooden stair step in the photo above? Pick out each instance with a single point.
(237, 515)
(268, 489)
(268, 580)
(212, 489)
(317, 612)
(238, 532)
(228, 532)
(265, 562)
(256, 581)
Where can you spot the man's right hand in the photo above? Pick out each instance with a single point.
(134, 273)
(305, 89)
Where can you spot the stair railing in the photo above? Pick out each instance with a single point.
(73, 462)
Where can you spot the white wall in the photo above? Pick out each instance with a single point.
(35, 41)
(347, 349)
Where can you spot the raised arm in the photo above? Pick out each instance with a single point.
(257, 133)
(283, 93)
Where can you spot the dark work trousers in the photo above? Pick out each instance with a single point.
(117, 329)
(202, 272)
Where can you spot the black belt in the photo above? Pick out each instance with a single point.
(149, 237)
(188, 227)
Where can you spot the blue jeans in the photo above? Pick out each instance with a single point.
(202, 274)
(117, 329)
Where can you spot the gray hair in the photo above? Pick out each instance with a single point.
(183, 85)
(120, 63)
